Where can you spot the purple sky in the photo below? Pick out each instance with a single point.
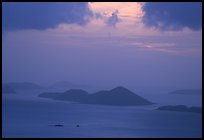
(103, 44)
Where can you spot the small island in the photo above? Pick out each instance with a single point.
(181, 108)
(23, 85)
(7, 89)
(188, 92)
(66, 84)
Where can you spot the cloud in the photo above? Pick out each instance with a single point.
(170, 48)
(120, 13)
(173, 15)
(43, 15)
(113, 20)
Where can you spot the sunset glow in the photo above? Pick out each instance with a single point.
(126, 10)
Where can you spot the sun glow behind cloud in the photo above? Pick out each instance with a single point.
(127, 10)
(126, 20)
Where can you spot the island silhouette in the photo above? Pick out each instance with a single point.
(7, 89)
(187, 92)
(23, 85)
(181, 108)
(116, 96)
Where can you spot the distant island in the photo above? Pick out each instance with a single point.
(188, 92)
(117, 96)
(23, 85)
(66, 84)
(7, 89)
(181, 108)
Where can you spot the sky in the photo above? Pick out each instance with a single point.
(152, 44)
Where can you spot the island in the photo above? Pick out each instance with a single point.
(181, 108)
(68, 85)
(7, 89)
(188, 92)
(23, 85)
(117, 96)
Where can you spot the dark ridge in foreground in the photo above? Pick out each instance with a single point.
(188, 92)
(117, 96)
(181, 108)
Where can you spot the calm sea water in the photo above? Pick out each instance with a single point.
(26, 115)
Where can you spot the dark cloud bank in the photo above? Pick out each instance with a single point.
(43, 15)
(173, 15)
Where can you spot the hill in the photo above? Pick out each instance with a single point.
(116, 96)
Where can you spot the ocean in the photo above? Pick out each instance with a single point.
(24, 115)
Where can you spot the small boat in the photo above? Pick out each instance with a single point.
(57, 125)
